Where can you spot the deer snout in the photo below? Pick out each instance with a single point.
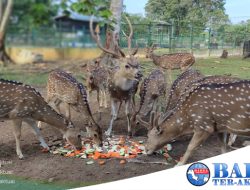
(138, 75)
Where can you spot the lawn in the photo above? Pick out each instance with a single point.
(34, 75)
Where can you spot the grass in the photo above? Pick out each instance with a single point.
(20, 183)
(233, 66)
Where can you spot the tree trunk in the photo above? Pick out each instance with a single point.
(3, 25)
(112, 37)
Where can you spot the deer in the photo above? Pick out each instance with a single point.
(22, 103)
(180, 85)
(204, 110)
(153, 87)
(171, 61)
(123, 80)
(64, 88)
(189, 78)
(98, 81)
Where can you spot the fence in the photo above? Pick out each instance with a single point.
(163, 35)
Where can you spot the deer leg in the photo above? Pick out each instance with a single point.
(114, 112)
(99, 100)
(32, 123)
(169, 76)
(119, 107)
(223, 141)
(105, 99)
(231, 139)
(127, 104)
(197, 139)
(17, 123)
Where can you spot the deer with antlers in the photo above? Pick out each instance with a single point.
(64, 88)
(153, 87)
(205, 109)
(20, 102)
(123, 80)
(171, 61)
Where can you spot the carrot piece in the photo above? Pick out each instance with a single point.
(70, 155)
(97, 155)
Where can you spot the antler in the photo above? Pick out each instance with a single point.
(153, 121)
(129, 37)
(97, 39)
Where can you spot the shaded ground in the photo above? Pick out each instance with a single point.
(55, 168)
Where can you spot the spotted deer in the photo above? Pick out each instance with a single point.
(190, 78)
(206, 109)
(180, 85)
(153, 87)
(98, 81)
(123, 81)
(22, 103)
(64, 88)
(171, 61)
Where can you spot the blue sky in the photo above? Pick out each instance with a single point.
(237, 10)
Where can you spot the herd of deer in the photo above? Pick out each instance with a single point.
(195, 104)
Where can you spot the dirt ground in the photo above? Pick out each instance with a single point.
(55, 168)
(45, 166)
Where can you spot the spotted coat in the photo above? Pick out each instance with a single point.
(206, 109)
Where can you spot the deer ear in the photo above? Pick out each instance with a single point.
(135, 51)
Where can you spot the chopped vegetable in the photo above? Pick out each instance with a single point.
(90, 162)
(123, 162)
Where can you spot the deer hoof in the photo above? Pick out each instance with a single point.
(129, 134)
(21, 157)
(108, 133)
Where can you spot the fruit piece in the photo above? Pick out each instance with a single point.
(168, 147)
(123, 162)
(90, 151)
(90, 162)
(101, 162)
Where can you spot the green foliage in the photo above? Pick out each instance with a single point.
(187, 13)
(98, 8)
(33, 13)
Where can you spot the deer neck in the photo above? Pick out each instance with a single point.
(156, 59)
(51, 117)
(83, 105)
(176, 125)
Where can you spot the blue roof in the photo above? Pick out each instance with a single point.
(76, 16)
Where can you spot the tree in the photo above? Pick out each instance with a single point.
(109, 11)
(33, 13)
(186, 13)
(23, 14)
(5, 12)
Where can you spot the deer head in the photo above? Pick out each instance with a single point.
(150, 51)
(72, 135)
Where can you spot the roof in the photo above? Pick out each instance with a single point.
(76, 16)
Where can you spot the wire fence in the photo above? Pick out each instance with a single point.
(163, 35)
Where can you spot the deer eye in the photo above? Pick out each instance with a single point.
(127, 66)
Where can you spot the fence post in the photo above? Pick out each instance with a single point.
(209, 41)
(191, 38)
(171, 30)
(235, 37)
(149, 34)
